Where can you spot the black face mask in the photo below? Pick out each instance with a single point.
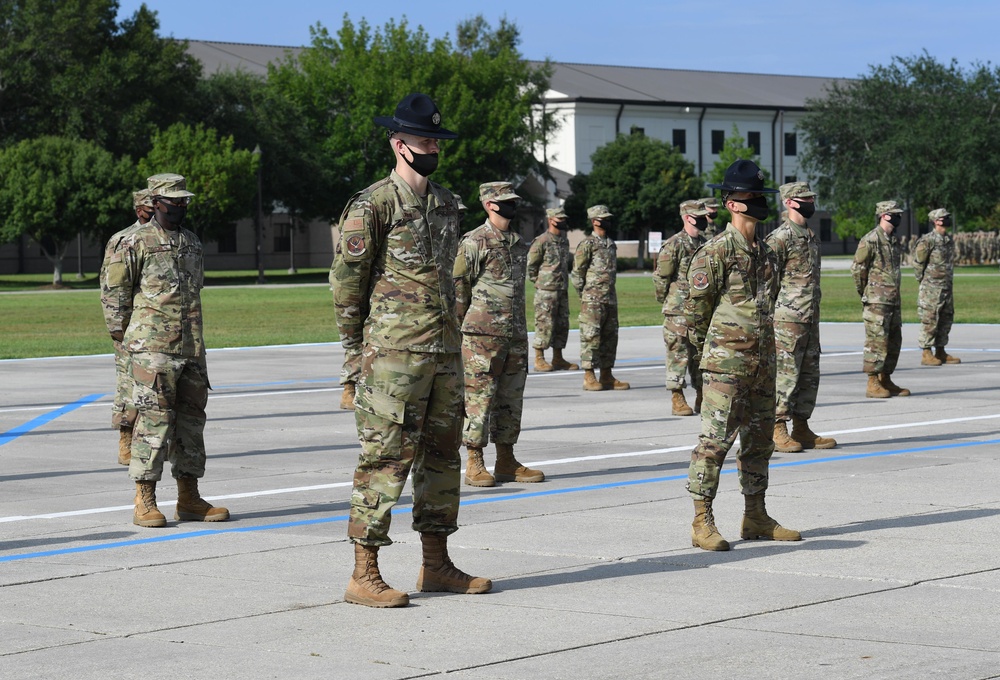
(423, 163)
(807, 210)
(945, 221)
(895, 219)
(506, 209)
(756, 208)
(701, 222)
(711, 215)
(174, 214)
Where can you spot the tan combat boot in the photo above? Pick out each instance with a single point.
(560, 364)
(475, 469)
(678, 406)
(366, 585)
(347, 397)
(439, 575)
(927, 358)
(124, 445)
(610, 382)
(944, 357)
(146, 514)
(783, 442)
(893, 389)
(697, 400)
(875, 389)
(757, 523)
(802, 433)
(704, 534)
(541, 365)
(590, 382)
(509, 470)
(192, 507)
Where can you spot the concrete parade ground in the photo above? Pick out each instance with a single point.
(898, 575)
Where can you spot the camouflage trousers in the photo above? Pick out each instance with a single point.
(734, 405)
(350, 370)
(797, 383)
(936, 308)
(682, 356)
(551, 319)
(122, 411)
(170, 394)
(495, 372)
(883, 338)
(598, 334)
(408, 410)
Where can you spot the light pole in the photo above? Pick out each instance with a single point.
(258, 221)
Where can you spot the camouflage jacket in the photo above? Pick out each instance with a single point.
(595, 269)
(712, 230)
(489, 283)
(797, 253)
(110, 250)
(151, 291)
(392, 281)
(730, 305)
(934, 260)
(876, 268)
(670, 275)
(549, 262)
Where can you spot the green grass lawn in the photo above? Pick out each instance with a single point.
(38, 322)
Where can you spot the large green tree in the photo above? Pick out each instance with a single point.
(642, 181)
(68, 68)
(53, 188)
(914, 130)
(223, 178)
(485, 90)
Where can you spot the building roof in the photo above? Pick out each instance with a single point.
(591, 82)
(675, 87)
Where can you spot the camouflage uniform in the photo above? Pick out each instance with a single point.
(595, 268)
(934, 268)
(350, 370)
(549, 264)
(796, 320)
(876, 271)
(713, 229)
(489, 288)
(152, 304)
(394, 293)
(671, 286)
(122, 411)
(730, 315)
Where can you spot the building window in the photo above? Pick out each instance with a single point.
(753, 142)
(227, 241)
(636, 130)
(825, 229)
(718, 141)
(791, 144)
(282, 238)
(680, 140)
(791, 178)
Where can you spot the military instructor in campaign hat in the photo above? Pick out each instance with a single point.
(732, 283)
(394, 295)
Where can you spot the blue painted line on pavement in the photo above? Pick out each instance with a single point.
(14, 433)
(472, 501)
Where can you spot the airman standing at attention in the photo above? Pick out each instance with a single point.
(671, 286)
(730, 308)
(489, 292)
(796, 321)
(123, 412)
(934, 267)
(152, 305)
(394, 293)
(877, 279)
(549, 265)
(595, 269)
(712, 229)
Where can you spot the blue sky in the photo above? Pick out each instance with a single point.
(821, 38)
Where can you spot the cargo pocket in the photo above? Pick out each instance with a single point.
(380, 420)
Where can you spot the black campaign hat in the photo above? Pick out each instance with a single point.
(417, 115)
(744, 175)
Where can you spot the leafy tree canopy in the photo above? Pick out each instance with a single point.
(917, 131)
